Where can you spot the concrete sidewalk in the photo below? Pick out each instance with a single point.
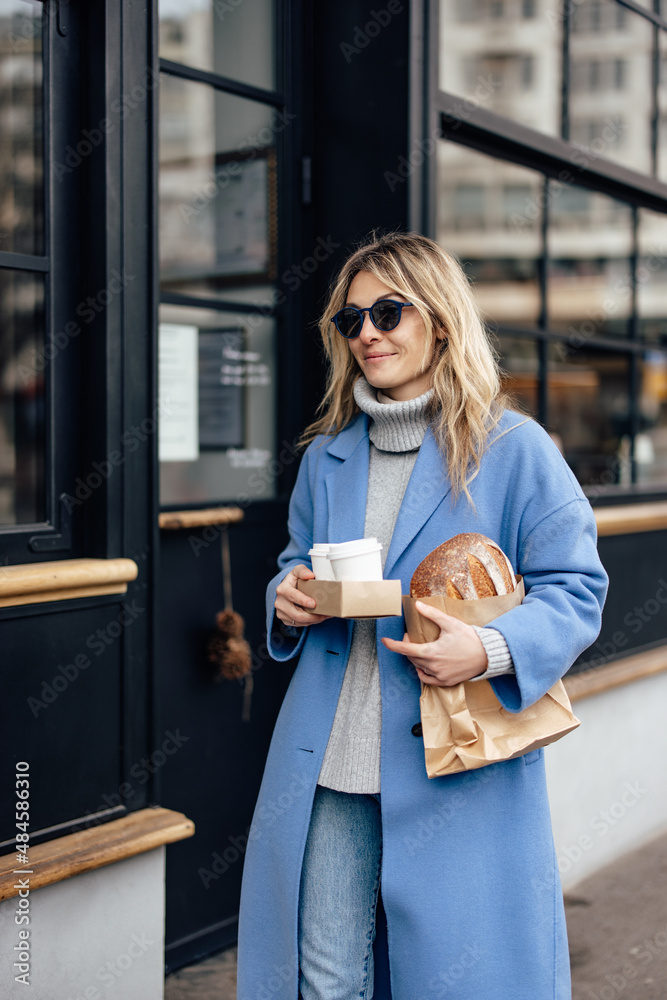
(617, 925)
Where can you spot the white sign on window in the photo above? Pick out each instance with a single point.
(178, 380)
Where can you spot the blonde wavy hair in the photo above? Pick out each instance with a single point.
(467, 399)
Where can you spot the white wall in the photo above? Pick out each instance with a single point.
(97, 936)
(608, 779)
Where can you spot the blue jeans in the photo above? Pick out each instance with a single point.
(340, 881)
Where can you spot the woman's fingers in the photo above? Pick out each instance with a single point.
(446, 622)
(293, 607)
(287, 591)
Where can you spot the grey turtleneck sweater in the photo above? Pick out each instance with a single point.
(352, 758)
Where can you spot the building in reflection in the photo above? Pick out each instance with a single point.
(547, 252)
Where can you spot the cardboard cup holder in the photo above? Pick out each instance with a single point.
(354, 598)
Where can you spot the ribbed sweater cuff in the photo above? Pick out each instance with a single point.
(497, 653)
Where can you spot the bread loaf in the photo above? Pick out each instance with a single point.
(466, 567)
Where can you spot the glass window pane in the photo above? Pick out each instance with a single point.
(589, 413)
(652, 276)
(662, 103)
(233, 456)
(520, 364)
(610, 83)
(21, 127)
(217, 189)
(233, 38)
(651, 441)
(22, 399)
(589, 273)
(501, 56)
(488, 214)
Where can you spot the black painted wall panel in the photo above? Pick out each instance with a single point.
(214, 776)
(62, 692)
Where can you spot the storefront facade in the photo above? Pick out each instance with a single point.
(179, 184)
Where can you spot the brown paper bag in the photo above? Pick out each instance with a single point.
(465, 726)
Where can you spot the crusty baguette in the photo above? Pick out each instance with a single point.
(466, 567)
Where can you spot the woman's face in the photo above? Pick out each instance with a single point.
(390, 361)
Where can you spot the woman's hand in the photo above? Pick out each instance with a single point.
(292, 606)
(456, 655)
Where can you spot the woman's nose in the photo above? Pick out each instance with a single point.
(368, 332)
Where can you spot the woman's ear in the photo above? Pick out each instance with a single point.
(441, 333)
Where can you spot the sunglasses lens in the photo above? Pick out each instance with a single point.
(348, 322)
(385, 315)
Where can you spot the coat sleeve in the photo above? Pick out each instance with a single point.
(560, 616)
(284, 643)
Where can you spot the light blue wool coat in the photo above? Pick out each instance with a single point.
(470, 883)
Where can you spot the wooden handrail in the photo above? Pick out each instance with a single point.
(174, 520)
(631, 518)
(623, 671)
(64, 579)
(94, 848)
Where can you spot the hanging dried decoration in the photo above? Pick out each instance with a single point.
(227, 647)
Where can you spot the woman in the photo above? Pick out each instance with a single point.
(414, 445)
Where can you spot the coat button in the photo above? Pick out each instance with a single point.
(417, 729)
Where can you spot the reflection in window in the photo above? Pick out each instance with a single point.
(611, 83)
(652, 277)
(520, 364)
(235, 40)
(224, 411)
(662, 106)
(217, 188)
(21, 128)
(589, 413)
(651, 441)
(589, 287)
(489, 215)
(514, 72)
(22, 401)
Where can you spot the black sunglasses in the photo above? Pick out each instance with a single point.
(385, 316)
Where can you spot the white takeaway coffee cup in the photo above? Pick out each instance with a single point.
(319, 560)
(360, 559)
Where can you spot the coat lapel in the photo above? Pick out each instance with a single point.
(347, 485)
(347, 490)
(428, 486)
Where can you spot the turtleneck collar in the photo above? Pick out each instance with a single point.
(396, 426)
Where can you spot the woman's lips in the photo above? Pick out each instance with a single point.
(374, 358)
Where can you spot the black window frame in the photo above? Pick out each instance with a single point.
(455, 119)
(62, 532)
(293, 191)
